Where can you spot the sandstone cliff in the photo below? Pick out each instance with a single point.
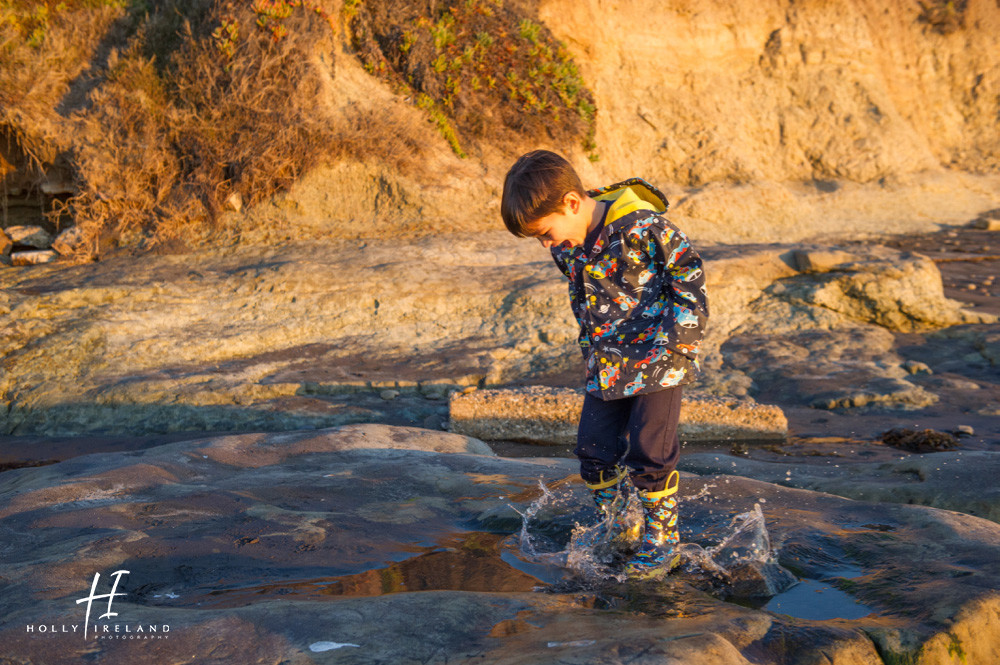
(780, 90)
(770, 120)
(763, 121)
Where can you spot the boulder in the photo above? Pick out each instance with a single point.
(30, 236)
(839, 368)
(818, 260)
(988, 221)
(33, 258)
(68, 241)
(917, 367)
(548, 415)
(897, 290)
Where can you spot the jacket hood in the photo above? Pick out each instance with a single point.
(629, 196)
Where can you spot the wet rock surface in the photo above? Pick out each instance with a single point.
(959, 480)
(313, 546)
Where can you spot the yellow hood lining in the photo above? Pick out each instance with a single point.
(630, 198)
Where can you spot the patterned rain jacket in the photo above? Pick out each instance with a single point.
(638, 294)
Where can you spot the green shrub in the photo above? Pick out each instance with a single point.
(482, 65)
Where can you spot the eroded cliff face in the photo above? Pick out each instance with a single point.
(771, 121)
(695, 92)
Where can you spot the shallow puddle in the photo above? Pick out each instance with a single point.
(560, 549)
(465, 562)
(819, 601)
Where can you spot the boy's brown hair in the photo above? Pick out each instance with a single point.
(534, 187)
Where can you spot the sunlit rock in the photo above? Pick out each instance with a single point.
(546, 415)
(33, 258)
(29, 236)
(68, 240)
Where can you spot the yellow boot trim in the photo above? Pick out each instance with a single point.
(602, 483)
(673, 482)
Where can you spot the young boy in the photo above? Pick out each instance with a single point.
(637, 288)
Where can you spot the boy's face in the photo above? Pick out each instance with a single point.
(567, 228)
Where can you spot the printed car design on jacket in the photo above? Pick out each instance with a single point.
(685, 317)
(625, 301)
(673, 377)
(654, 355)
(636, 231)
(606, 330)
(689, 274)
(602, 269)
(635, 386)
(648, 333)
(690, 349)
(638, 292)
(606, 377)
(654, 309)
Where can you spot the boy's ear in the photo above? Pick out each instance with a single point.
(571, 202)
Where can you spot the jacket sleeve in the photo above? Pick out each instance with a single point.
(563, 262)
(685, 312)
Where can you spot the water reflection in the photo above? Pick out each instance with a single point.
(810, 599)
(468, 561)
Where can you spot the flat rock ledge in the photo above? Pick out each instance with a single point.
(548, 415)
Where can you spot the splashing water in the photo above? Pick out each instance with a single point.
(746, 542)
(592, 552)
(705, 491)
(742, 562)
(528, 545)
(552, 534)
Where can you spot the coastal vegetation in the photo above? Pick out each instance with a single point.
(480, 67)
(162, 110)
(164, 113)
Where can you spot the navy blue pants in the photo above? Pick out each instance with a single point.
(639, 432)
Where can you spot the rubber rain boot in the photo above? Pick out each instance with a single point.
(611, 497)
(659, 552)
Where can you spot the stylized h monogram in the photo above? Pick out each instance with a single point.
(110, 596)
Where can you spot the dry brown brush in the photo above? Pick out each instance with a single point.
(185, 103)
(45, 46)
(170, 142)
